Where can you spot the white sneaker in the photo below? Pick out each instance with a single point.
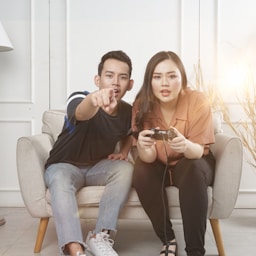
(100, 244)
(86, 253)
(79, 254)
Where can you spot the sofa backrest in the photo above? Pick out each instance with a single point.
(53, 121)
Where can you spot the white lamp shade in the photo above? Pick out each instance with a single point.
(5, 43)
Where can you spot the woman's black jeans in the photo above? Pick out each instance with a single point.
(192, 177)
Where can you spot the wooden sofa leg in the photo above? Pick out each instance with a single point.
(40, 234)
(217, 235)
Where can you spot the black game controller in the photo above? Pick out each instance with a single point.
(163, 134)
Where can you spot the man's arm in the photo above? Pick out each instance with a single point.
(125, 146)
(90, 105)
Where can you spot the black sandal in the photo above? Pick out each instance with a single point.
(166, 251)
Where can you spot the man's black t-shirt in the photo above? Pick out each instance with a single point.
(86, 142)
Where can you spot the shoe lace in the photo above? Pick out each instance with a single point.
(104, 243)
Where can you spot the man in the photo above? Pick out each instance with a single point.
(84, 155)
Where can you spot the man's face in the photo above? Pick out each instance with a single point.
(115, 74)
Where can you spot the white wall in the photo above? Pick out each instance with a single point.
(24, 85)
(236, 54)
(58, 44)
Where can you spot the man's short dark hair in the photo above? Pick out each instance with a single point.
(117, 55)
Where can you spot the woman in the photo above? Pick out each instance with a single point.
(185, 161)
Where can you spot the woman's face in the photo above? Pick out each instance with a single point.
(166, 81)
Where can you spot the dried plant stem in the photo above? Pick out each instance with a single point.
(245, 129)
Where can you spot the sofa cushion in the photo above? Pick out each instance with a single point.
(91, 195)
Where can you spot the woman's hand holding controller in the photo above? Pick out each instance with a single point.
(178, 143)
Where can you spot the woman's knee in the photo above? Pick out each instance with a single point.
(147, 173)
(140, 171)
(191, 171)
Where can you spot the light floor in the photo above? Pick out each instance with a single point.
(17, 236)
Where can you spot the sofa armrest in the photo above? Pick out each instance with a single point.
(228, 152)
(31, 154)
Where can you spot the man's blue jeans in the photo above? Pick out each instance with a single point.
(64, 180)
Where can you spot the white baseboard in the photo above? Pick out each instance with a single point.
(12, 198)
(246, 199)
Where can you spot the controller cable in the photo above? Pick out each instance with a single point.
(163, 187)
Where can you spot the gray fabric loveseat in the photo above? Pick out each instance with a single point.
(33, 151)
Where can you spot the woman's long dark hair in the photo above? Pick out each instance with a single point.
(145, 97)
